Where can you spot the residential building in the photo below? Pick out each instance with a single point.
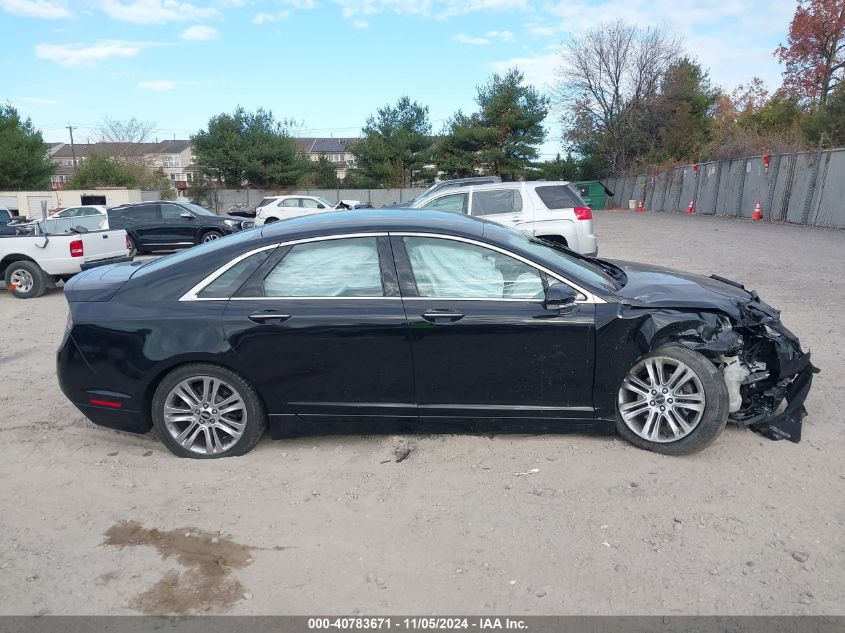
(337, 150)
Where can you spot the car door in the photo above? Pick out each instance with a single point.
(310, 206)
(178, 225)
(320, 329)
(143, 221)
(484, 345)
(452, 203)
(503, 206)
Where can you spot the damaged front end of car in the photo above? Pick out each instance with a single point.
(765, 371)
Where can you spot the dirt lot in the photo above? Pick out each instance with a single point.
(93, 521)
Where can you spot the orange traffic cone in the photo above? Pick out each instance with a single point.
(757, 215)
(689, 208)
(640, 207)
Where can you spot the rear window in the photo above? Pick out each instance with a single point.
(266, 201)
(560, 197)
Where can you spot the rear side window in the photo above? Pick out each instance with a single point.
(332, 268)
(560, 197)
(497, 201)
(229, 282)
(140, 212)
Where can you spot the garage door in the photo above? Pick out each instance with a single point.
(10, 202)
(34, 205)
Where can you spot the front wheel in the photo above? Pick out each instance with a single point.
(211, 236)
(206, 411)
(673, 401)
(25, 280)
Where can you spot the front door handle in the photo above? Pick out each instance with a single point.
(265, 317)
(442, 315)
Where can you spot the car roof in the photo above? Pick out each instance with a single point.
(377, 220)
(519, 185)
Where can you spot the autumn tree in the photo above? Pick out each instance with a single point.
(814, 54)
(607, 76)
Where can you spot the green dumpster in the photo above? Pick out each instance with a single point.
(593, 192)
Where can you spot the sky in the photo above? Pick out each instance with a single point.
(329, 64)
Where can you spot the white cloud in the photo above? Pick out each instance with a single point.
(490, 36)
(45, 9)
(360, 24)
(156, 11)
(157, 84)
(463, 38)
(69, 55)
(37, 101)
(267, 18)
(199, 33)
(540, 70)
(441, 9)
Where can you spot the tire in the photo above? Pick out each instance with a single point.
(133, 250)
(25, 279)
(210, 236)
(206, 435)
(672, 426)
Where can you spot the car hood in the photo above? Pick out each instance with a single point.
(658, 287)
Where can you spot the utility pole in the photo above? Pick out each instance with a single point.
(72, 150)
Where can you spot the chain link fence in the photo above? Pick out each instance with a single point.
(806, 188)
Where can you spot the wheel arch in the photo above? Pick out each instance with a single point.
(162, 370)
(8, 260)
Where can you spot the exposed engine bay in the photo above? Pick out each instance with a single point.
(767, 375)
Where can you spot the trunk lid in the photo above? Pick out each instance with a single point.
(101, 283)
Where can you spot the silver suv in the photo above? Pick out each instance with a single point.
(549, 210)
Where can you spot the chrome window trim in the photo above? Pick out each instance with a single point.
(191, 295)
(589, 296)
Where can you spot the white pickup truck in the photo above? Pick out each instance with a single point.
(30, 264)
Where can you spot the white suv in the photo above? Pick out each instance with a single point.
(274, 208)
(550, 210)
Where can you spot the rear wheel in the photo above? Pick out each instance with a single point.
(206, 411)
(25, 279)
(673, 401)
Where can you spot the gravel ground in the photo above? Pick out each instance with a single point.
(94, 521)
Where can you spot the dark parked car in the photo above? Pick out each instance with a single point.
(409, 320)
(168, 224)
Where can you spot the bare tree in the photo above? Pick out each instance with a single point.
(606, 77)
(123, 137)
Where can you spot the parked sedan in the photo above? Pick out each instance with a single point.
(168, 224)
(410, 320)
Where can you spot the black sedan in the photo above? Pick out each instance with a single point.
(409, 320)
(171, 224)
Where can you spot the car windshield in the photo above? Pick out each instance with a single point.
(571, 264)
(324, 202)
(197, 208)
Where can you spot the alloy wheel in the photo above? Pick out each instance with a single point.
(661, 399)
(205, 415)
(209, 237)
(22, 280)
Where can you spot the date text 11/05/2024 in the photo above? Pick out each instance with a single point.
(418, 623)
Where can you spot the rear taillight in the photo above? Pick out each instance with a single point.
(76, 249)
(583, 213)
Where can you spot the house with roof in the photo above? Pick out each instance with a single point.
(174, 157)
(337, 150)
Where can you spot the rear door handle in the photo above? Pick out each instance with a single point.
(442, 315)
(268, 317)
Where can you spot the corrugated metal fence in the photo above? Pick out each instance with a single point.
(804, 188)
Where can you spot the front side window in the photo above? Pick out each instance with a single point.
(496, 201)
(290, 202)
(449, 269)
(347, 267)
(455, 203)
(171, 212)
(309, 203)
